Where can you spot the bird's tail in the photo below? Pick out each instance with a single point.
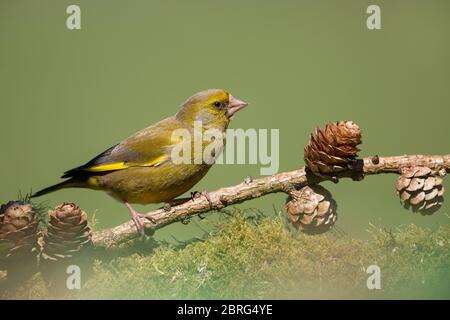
(71, 183)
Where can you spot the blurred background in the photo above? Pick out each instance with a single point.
(68, 95)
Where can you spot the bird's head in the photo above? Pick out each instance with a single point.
(214, 107)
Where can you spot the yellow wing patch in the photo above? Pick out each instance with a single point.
(125, 165)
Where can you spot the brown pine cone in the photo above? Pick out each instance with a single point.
(67, 233)
(334, 148)
(18, 232)
(420, 190)
(312, 209)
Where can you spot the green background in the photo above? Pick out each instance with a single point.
(68, 95)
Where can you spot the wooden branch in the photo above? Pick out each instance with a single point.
(250, 189)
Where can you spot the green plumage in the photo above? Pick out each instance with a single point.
(139, 169)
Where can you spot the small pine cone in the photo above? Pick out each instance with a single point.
(420, 190)
(334, 148)
(67, 233)
(18, 233)
(312, 209)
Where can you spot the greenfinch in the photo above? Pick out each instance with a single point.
(141, 170)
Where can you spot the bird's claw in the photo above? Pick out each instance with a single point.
(148, 217)
(197, 194)
(138, 223)
(136, 217)
(194, 195)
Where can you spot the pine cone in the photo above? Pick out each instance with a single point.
(334, 148)
(312, 209)
(18, 233)
(420, 190)
(67, 233)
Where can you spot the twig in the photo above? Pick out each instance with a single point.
(281, 182)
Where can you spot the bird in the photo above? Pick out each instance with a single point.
(141, 169)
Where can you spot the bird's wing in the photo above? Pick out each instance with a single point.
(147, 148)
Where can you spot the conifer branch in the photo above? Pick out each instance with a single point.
(251, 189)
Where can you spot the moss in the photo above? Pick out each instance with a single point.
(251, 257)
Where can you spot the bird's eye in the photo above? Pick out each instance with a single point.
(217, 104)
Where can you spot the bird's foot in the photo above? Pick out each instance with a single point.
(196, 195)
(137, 219)
(150, 217)
(175, 202)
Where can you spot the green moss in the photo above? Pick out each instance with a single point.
(250, 258)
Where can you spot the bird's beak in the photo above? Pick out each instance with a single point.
(235, 105)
